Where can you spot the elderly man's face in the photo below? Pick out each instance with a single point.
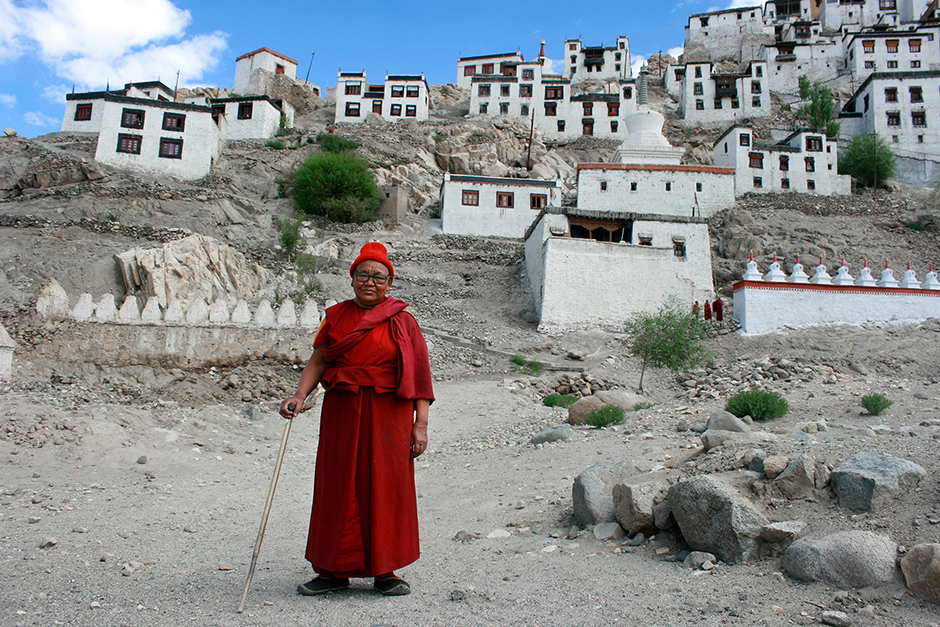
(369, 292)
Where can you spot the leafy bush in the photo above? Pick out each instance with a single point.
(528, 367)
(439, 138)
(642, 406)
(335, 143)
(337, 185)
(820, 112)
(758, 404)
(869, 159)
(559, 400)
(876, 403)
(610, 415)
(917, 226)
(276, 144)
(669, 338)
(290, 234)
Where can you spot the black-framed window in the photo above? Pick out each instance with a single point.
(745, 139)
(353, 89)
(538, 201)
(132, 118)
(504, 90)
(412, 91)
(245, 110)
(411, 111)
(504, 199)
(396, 110)
(551, 108)
(129, 143)
(174, 122)
(398, 91)
(483, 90)
(377, 107)
(171, 148)
(352, 109)
(83, 112)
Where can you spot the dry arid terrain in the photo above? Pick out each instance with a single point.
(132, 494)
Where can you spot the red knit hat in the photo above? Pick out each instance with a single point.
(374, 251)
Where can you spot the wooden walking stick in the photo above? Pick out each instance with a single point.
(267, 504)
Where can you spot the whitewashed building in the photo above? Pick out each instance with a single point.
(632, 241)
(711, 93)
(738, 34)
(490, 65)
(805, 162)
(253, 117)
(892, 50)
(265, 59)
(494, 206)
(147, 132)
(596, 62)
(527, 91)
(859, 13)
(402, 96)
(901, 107)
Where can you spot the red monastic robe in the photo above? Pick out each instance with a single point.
(364, 520)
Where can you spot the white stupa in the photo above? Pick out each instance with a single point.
(775, 274)
(798, 276)
(645, 143)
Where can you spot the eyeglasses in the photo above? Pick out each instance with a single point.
(378, 279)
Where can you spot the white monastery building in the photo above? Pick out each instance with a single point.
(596, 62)
(141, 128)
(402, 96)
(265, 59)
(494, 206)
(732, 34)
(253, 117)
(632, 241)
(904, 109)
(486, 65)
(711, 93)
(806, 162)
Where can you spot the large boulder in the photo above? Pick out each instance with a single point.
(636, 498)
(592, 491)
(627, 401)
(716, 516)
(855, 559)
(725, 421)
(580, 409)
(193, 267)
(799, 478)
(867, 481)
(921, 568)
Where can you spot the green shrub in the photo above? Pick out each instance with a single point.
(439, 138)
(610, 415)
(916, 226)
(290, 234)
(869, 159)
(335, 143)
(669, 338)
(276, 144)
(337, 185)
(559, 400)
(642, 406)
(876, 403)
(522, 365)
(758, 404)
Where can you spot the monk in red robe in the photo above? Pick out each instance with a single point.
(372, 359)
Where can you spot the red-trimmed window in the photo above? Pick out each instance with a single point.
(487, 68)
(132, 118)
(525, 91)
(551, 108)
(129, 143)
(613, 109)
(756, 160)
(353, 89)
(470, 197)
(504, 199)
(483, 90)
(810, 164)
(469, 70)
(171, 148)
(914, 45)
(588, 108)
(82, 112)
(554, 93)
(784, 163)
(538, 201)
(174, 122)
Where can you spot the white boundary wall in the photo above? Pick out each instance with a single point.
(765, 307)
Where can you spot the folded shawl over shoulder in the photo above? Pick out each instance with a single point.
(414, 368)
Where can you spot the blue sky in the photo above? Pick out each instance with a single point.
(47, 46)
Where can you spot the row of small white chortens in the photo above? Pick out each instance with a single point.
(822, 277)
(53, 302)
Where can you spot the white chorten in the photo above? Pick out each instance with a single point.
(645, 143)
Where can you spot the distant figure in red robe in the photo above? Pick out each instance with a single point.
(372, 359)
(719, 308)
(708, 311)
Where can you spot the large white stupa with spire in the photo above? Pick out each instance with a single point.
(645, 143)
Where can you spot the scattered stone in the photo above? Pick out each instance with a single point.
(48, 543)
(774, 465)
(847, 559)
(725, 421)
(783, 531)
(799, 478)
(696, 559)
(592, 493)
(33, 520)
(224, 566)
(868, 481)
(717, 518)
(95, 605)
(498, 534)
(635, 499)
(465, 536)
(608, 531)
(79, 529)
(142, 460)
(561, 433)
(921, 568)
(836, 619)
(716, 437)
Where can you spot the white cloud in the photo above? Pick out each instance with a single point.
(93, 42)
(636, 63)
(8, 99)
(676, 52)
(55, 93)
(37, 118)
(738, 4)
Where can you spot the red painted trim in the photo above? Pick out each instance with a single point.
(277, 54)
(844, 289)
(654, 168)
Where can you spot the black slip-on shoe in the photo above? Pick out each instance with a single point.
(392, 586)
(322, 585)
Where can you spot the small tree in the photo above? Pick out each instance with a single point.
(869, 159)
(330, 142)
(337, 185)
(669, 338)
(821, 111)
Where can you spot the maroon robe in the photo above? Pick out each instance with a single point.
(364, 519)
